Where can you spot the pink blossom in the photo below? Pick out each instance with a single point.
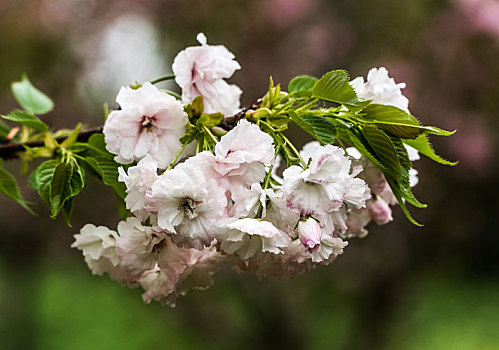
(309, 233)
(379, 210)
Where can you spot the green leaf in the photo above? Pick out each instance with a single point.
(383, 148)
(44, 174)
(334, 87)
(397, 122)
(96, 147)
(399, 195)
(322, 129)
(26, 119)
(108, 171)
(30, 98)
(60, 187)
(8, 186)
(302, 83)
(67, 210)
(423, 145)
(359, 142)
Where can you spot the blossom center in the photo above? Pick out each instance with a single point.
(188, 207)
(147, 123)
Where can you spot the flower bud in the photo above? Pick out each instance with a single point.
(309, 233)
(379, 211)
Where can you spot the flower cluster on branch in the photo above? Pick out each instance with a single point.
(201, 182)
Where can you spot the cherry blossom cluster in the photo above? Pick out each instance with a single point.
(193, 208)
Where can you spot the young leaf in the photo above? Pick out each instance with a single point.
(8, 186)
(334, 87)
(210, 120)
(423, 145)
(72, 137)
(302, 83)
(26, 119)
(383, 148)
(322, 129)
(30, 98)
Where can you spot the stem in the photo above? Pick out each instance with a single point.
(213, 138)
(174, 94)
(294, 150)
(166, 77)
(176, 156)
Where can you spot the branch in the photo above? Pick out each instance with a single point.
(11, 150)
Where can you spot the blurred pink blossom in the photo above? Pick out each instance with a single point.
(483, 14)
(283, 13)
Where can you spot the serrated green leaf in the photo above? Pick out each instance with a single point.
(302, 83)
(334, 87)
(423, 145)
(383, 148)
(60, 187)
(8, 186)
(398, 194)
(322, 129)
(397, 122)
(30, 98)
(26, 119)
(359, 142)
(108, 170)
(402, 154)
(44, 174)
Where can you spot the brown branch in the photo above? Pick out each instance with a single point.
(11, 150)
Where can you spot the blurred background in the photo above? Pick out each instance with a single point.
(401, 287)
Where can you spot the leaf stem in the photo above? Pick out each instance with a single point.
(166, 77)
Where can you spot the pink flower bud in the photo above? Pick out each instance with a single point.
(380, 211)
(309, 233)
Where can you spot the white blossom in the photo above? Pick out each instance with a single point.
(323, 186)
(201, 70)
(98, 244)
(138, 181)
(247, 237)
(140, 247)
(149, 122)
(381, 89)
(188, 204)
